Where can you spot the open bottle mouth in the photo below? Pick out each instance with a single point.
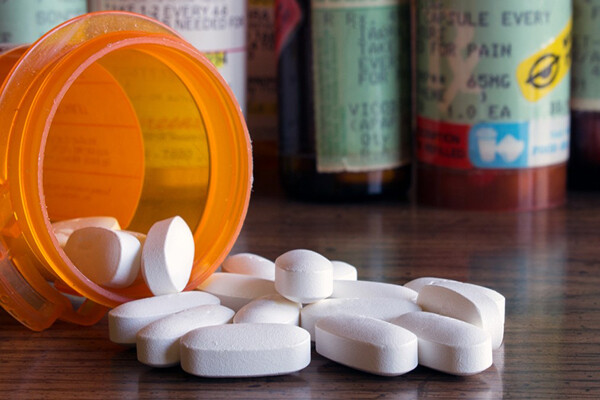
(128, 121)
(127, 140)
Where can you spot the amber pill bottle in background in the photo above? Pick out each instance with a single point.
(492, 92)
(343, 98)
(584, 162)
(261, 114)
(112, 114)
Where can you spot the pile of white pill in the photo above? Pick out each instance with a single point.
(260, 318)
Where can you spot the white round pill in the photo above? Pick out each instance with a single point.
(250, 264)
(367, 344)
(106, 257)
(274, 309)
(303, 276)
(383, 308)
(447, 344)
(245, 350)
(236, 290)
(158, 343)
(125, 321)
(418, 283)
(343, 271)
(63, 229)
(168, 256)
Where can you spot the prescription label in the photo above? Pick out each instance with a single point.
(492, 82)
(215, 27)
(585, 90)
(24, 22)
(361, 84)
(93, 160)
(173, 128)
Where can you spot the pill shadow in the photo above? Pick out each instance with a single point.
(170, 382)
(420, 383)
(321, 379)
(483, 386)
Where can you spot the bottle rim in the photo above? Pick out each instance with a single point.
(230, 154)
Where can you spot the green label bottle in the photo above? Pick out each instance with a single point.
(344, 110)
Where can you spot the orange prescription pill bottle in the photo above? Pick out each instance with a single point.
(112, 114)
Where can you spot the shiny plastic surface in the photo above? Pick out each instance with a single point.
(112, 114)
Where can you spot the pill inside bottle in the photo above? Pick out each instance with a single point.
(115, 115)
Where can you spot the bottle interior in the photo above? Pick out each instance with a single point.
(127, 141)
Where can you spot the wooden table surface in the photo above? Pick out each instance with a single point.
(546, 263)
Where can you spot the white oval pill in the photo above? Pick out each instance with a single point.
(447, 344)
(274, 309)
(498, 298)
(107, 257)
(168, 256)
(250, 264)
(343, 271)
(303, 276)
(126, 320)
(236, 290)
(362, 289)
(383, 308)
(367, 344)
(158, 343)
(418, 283)
(63, 229)
(245, 350)
(460, 301)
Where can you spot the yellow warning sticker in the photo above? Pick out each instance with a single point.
(541, 72)
(217, 58)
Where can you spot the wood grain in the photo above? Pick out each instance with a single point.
(547, 263)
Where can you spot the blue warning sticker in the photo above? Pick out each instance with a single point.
(535, 143)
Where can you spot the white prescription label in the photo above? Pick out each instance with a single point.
(215, 27)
